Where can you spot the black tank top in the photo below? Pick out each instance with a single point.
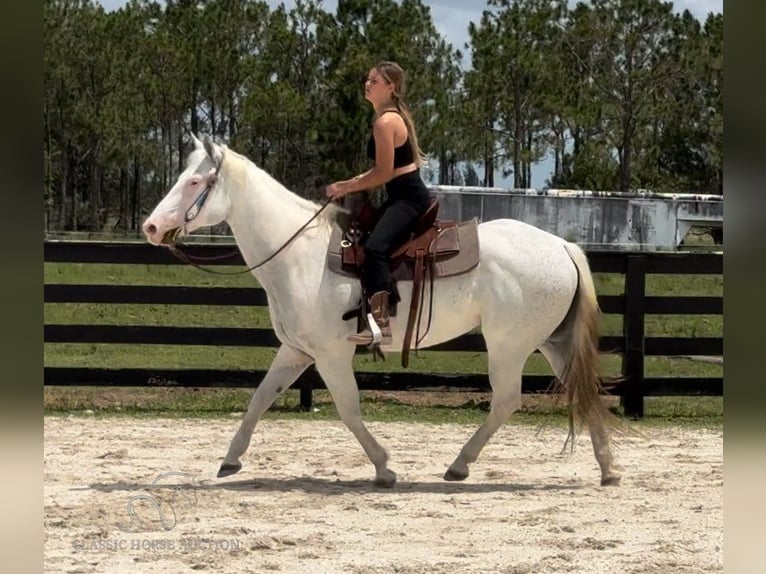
(403, 155)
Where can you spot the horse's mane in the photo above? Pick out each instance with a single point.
(331, 215)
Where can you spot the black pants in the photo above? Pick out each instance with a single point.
(394, 226)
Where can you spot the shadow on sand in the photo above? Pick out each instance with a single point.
(326, 486)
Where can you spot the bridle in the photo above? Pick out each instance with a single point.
(194, 211)
(197, 204)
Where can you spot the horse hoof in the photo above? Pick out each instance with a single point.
(611, 480)
(229, 469)
(386, 481)
(455, 476)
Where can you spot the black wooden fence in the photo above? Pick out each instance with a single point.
(633, 345)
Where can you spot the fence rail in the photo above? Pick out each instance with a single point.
(633, 345)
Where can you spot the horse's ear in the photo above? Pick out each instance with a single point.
(212, 150)
(197, 142)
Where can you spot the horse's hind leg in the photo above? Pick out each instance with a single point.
(286, 367)
(505, 378)
(599, 437)
(338, 376)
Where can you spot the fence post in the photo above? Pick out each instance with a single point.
(632, 398)
(307, 387)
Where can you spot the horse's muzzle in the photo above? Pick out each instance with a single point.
(169, 239)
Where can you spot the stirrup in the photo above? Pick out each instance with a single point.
(377, 334)
(377, 339)
(370, 337)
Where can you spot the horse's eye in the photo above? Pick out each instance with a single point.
(194, 182)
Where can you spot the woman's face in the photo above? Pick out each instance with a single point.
(376, 89)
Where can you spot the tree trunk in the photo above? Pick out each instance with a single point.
(518, 138)
(123, 213)
(193, 118)
(180, 149)
(75, 205)
(576, 140)
(627, 124)
(283, 153)
(213, 124)
(50, 200)
(489, 159)
(75, 211)
(93, 191)
(264, 152)
(63, 188)
(490, 173)
(528, 163)
(168, 177)
(625, 166)
(136, 193)
(232, 123)
(558, 158)
(163, 146)
(103, 213)
(626, 153)
(443, 167)
(577, 145)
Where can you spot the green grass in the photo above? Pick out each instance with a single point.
(169, 315)
(426, 407)
(120, 274)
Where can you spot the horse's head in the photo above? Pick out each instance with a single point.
(196, 199)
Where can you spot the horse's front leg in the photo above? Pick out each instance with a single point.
(338, 376)
(284, 370)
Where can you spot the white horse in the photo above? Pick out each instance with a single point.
(531, 290)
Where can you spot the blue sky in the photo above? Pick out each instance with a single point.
(451, 18)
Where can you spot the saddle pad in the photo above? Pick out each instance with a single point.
(438, 244)
(460, 262)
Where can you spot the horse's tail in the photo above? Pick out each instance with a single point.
(581, 379)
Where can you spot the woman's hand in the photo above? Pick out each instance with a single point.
(335, 190)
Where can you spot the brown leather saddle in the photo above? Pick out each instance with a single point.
(436, 248)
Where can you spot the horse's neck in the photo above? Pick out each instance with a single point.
(264, 215)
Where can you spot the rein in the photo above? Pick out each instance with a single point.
(192, 260)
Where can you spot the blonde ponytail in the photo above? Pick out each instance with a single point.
(393, 74)
(412, 135)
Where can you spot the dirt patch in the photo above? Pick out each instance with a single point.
(141, 495)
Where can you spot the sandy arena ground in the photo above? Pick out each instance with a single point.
(304, 501)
